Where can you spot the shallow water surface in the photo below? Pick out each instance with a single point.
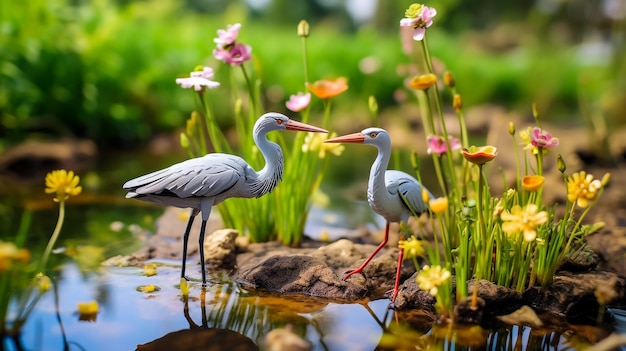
(162, 320)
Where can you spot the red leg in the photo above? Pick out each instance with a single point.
(359, 270)
(398, 274)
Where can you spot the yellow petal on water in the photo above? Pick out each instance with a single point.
(88, 308)
(149, 269)
(184, 287)
(148, 288)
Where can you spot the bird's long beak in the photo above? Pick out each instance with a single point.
(303, 127)
(355, 138)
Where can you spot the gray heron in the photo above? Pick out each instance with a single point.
(203, 182)
(394, 195)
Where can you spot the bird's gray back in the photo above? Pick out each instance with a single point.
(207, 176)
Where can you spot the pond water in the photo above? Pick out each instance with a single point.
(162, 320)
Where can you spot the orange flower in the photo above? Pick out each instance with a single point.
(326, 89)
(480, 155)
(532, 182)
(423, 82)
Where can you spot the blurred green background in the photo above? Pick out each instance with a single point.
(105, 69)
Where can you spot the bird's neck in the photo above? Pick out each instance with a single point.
(376, 189)
(272, 172)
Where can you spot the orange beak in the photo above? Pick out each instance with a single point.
(303, 127)
(355, 138)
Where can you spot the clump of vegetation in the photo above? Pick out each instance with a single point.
(515, 240)
(283, 213)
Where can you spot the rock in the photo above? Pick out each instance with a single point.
(32, 159)
(299, 274)
(495, 299)
(523, 316)
(219, 249)
(318, 271)
(573, 296)
(206, 339)
(284, 339)
(410, 296)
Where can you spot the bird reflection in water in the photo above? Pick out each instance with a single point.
(200, 337)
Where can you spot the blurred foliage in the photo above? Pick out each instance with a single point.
(105, 69)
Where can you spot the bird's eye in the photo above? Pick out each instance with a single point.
(373, 134)
(279, 121)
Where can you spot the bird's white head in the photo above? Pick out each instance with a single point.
(277, 121)
(371, 136)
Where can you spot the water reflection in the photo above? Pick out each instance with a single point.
(223, 314)
(200, 336)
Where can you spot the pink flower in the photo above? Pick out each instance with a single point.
(438, 145)
(228, 36)
(234, 55)
(541, 138)
(419, 17)
(298, 102)
(198, 80)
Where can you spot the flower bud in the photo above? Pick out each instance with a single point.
(448, 79)
(535, 112)
(423, 81)
(606, 179)
(303, 28)
(373, 105)
(560, 163)
(425, 196)
(511, 128)
(457, 102)
(184, 141)
(415, 162)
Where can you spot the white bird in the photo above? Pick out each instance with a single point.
(395, 195)
(203, 182)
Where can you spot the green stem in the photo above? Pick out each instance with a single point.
(250, 87)
(55, 235)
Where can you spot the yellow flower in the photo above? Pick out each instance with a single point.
(582, 188)
(326, 89)
(532, 182)
(423, 82)
(63, 183)
(9, 253)
(315, 142)
(439, 204)
(431, 278)
(412, 247)
(480, 155)
(524, 220)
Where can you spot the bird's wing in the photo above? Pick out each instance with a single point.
(209, 175)
(409, 190)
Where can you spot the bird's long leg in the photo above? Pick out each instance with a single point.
(186, 240)
(201, 248)
(359, 270)
(398, 273)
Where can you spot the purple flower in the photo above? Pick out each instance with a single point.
(298, 102)
(198, 80)
(437, 144)
(234, 55)
(228, 36)
(541, 138)
(419, 17)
